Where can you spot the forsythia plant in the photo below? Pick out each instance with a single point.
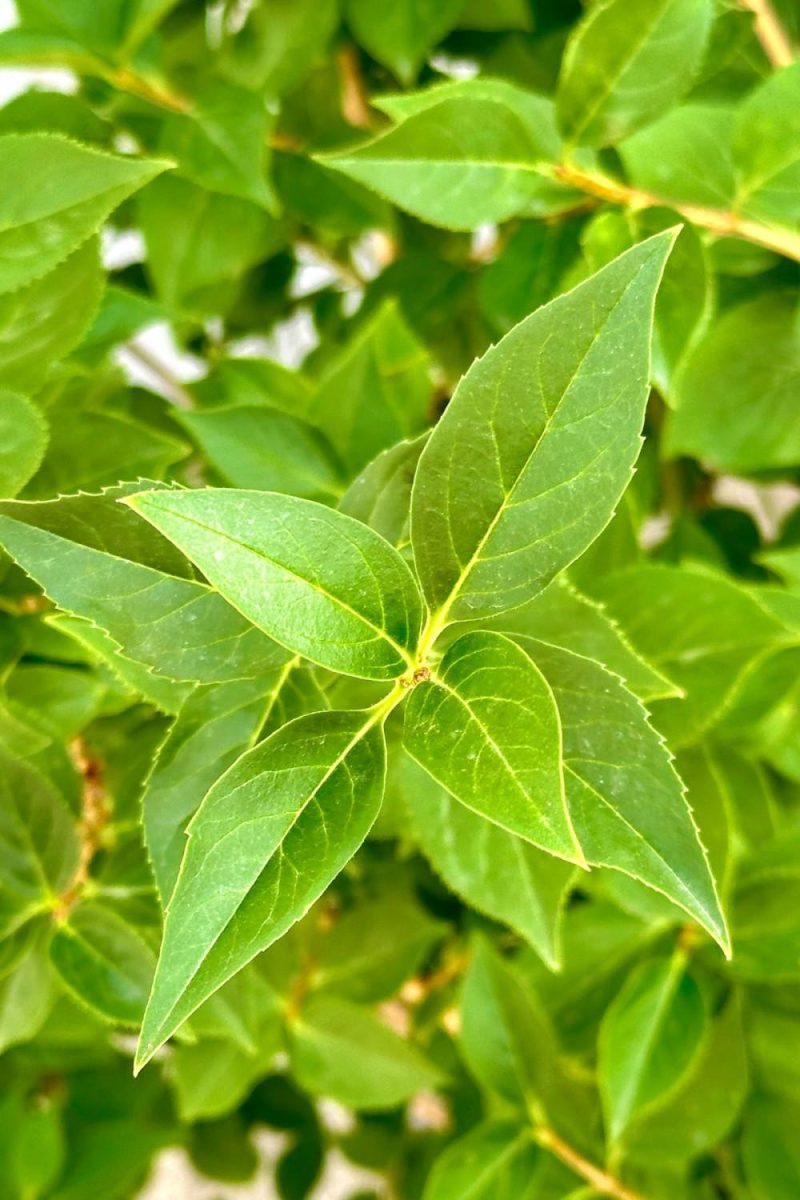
(383, 720)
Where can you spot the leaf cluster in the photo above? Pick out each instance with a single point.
(400, 597)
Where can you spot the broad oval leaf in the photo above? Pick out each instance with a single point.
(649, 1038)
(62, 194)
(266, 841)
(624, 797)
(618, 71)
(494, 1161)
(538, 443)
(486, 727)
(104, 962)
(320, 583)
(766, 150)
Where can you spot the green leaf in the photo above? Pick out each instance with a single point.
(701, 1111)
(26, 997)
(769, 1148)
(213, 1077)
(43, 321)
(649, 1038)
(253, 446)
(458, 164)
(221, 144)
(38, 842)
(199, 243)
(624, 797)
(280, 41)
(62, 194)
(377, 392)
(90, 450)
(494, 871)
(277, 827)
(704, 656)
(618, 71)
(563, 616)
(320, 583)
(765, 150)
(341, 1050)
(96, 560)
(400, 35)
(23, 440)
(685, 157)
(537, 445)
(494, 1161)
(164, 693)
(511, 1048)
(103, 962)
(381, 495)
(745, 423)
(216, 724)
(486, 727)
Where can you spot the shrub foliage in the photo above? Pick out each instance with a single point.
(384, 719)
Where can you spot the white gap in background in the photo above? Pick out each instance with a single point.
(288, 343)
(121, 248)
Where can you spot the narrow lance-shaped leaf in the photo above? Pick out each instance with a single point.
(320, 583)
(62, 193)
(486, 727)
(538, 443)
(267, 840)
(624, 796)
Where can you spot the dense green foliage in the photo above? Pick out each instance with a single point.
(383, 719)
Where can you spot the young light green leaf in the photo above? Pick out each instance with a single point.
(43, 321)
(320, 583)
(624, 797)
(377, 392)
(23, 440)
(95, 560)
(686, 156)
(458, 164)
(486, 727)
(770, 1153)
(494, 871)
(62, 194)
(618, 71)
(538, 443)
(277, 828)
(400, 35)
(649, 1038)
(253, 446)
(341, 1050)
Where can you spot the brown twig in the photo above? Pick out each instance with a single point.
(716, 221)
(596, 1177)
(355, 101)
(94, 818)
(770, 33)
